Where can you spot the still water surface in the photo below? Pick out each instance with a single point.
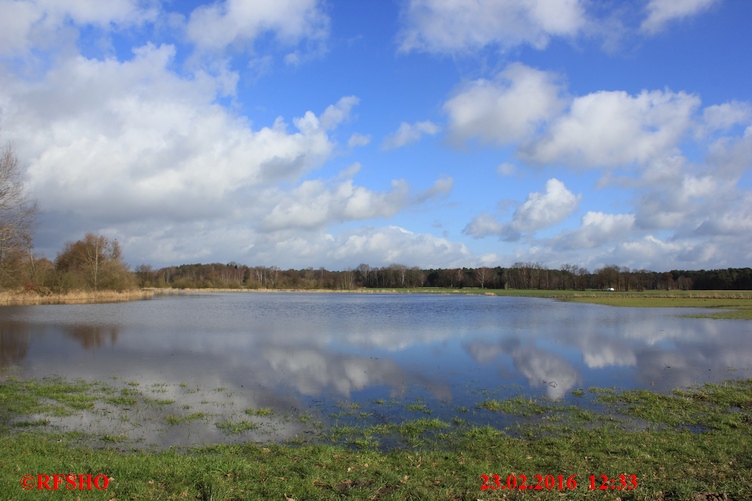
(301, 352)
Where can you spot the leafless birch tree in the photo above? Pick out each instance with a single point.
(17, 215)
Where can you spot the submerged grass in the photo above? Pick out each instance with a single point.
(517, 405)
(691, 441)
(738, 303)
(238, 427)
(175, 420)
(264, 411)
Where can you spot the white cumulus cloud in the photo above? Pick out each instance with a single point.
(661, 12)
(508, 109)
(542, 210)
(314, 204)
(28, 24)
(393, 244)
(161, 140)
(451, 26)
(410, 133)
(596, 229)
(726, 115)
(357, 140)
(539, 211)
(238, 23)
(611, 128)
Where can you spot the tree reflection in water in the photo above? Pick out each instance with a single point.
(93, 336)
(14, 343)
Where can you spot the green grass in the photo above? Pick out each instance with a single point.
(121, 401)
(52, 395)
(264, 411)
(738, 303)
(692, 440)
(418, 407)
(175, 420)
(235, 428)
(517, 405)
(741, 313)
(115, 439)
(739, 307)
(159, 401)
(709, 407)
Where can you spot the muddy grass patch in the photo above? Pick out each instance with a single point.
(679, 446)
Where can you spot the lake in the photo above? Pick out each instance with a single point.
(321, 355)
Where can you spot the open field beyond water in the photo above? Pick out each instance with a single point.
(738, 303)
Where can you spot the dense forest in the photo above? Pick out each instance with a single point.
(519, 276)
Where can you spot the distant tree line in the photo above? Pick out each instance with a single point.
(521, 275)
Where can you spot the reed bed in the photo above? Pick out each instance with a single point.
(20, 298)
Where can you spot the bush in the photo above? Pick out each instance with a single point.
(93, 263)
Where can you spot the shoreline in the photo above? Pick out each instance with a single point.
(471, 291)
(732, 305)
(74, 297)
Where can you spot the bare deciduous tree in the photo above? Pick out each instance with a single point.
(482, 274)
(17, 215)
(347, 279)
(364, 270)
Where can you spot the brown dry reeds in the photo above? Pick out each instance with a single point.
(20, 298)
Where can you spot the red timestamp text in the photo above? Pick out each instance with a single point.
(521, 482)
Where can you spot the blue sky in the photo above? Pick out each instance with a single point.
(431, 133)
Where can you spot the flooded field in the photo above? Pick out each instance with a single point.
(224, 367)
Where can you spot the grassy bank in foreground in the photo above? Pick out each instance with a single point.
(692, 441)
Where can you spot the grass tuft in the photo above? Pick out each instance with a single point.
(236, 428)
